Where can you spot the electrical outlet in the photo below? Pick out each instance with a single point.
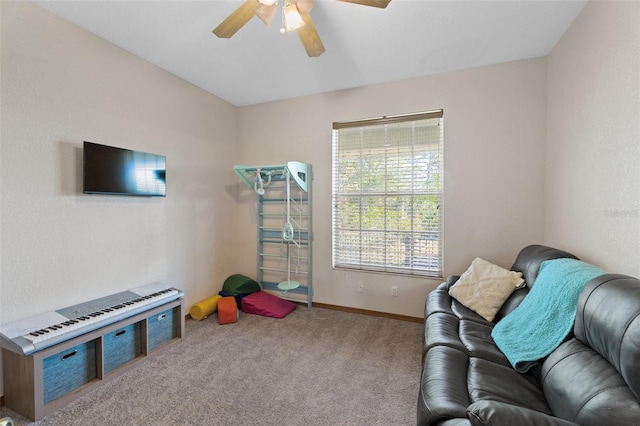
(360, 288)
(394, 290)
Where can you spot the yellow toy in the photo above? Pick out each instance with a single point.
(204, 308)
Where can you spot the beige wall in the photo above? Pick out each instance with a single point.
(60, 86)
(494, 150)
(592, 186)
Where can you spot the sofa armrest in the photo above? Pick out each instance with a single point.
(493, 413)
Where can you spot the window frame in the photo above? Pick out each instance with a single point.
(434, 261)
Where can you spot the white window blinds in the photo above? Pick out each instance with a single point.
(387, 194)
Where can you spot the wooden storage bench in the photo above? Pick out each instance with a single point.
(37, 384)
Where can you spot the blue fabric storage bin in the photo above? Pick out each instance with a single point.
(68, 370)
(121, 346)
(161, 328)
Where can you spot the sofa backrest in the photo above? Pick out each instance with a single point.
(528, 262)
(531, 257)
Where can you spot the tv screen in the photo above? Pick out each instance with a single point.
(118, 171)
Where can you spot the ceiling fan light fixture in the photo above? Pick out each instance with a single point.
(295, 16)
(292, 18)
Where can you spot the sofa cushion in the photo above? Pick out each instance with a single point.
(442, 329)
(452, 380)
(488, 381)
(477, 339)
(484, 287)
(471, 337)
(442, 318)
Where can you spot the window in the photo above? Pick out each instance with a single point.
(387, 194)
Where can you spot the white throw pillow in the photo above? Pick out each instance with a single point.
(484, 287)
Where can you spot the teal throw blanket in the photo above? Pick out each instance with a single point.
(546, 315)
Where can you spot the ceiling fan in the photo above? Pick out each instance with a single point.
(295, 16)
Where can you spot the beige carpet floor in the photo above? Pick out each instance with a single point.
(314, 367)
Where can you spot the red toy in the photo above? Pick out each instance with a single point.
(267, 305)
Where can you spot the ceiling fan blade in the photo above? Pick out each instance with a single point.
(310, 38)
(266, 13)
(236, 20)
(374, 3)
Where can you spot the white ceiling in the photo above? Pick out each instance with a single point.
(364, 45)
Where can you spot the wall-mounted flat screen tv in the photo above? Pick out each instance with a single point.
(117, 171)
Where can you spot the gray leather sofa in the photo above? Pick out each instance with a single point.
(592, 378)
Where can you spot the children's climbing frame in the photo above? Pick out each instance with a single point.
(285, 233)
